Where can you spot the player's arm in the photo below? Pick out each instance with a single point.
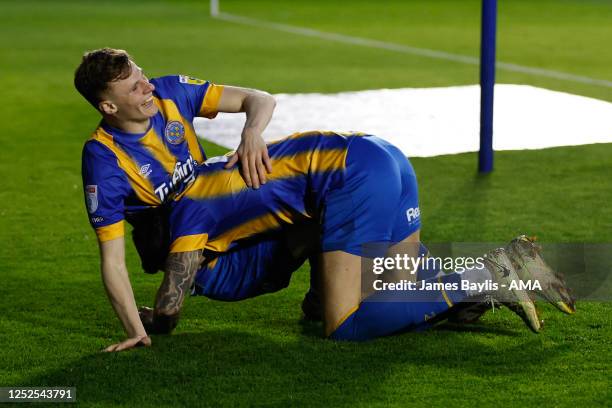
(179, 274)
(120, 294)
(252, 151)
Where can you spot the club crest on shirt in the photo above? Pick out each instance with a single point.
(184, 79)
(175, 132)
(91, 197)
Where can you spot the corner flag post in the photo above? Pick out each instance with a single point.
(487, 82)
(214, 8)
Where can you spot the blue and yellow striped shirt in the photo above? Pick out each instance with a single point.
(218, 209)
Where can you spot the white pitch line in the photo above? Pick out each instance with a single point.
(406, 49)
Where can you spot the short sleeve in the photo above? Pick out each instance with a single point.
(194, 97)
(105, 187)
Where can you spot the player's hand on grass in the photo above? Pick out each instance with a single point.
(138, 341)
(254, 160)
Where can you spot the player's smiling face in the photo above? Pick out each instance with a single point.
(130, 99)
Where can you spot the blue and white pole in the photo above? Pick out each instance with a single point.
(487, 83)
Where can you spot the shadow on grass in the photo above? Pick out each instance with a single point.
(233, 368)
(457, 205)
(476, 191)
(476, 328)
(314, 329)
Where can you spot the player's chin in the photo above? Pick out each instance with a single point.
(149, 112)
(148, 109)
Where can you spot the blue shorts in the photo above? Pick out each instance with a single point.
(378, 202)
(252, 268)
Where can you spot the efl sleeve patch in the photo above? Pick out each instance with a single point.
(104, 185)
(184, 79)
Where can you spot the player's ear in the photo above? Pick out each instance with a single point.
(107, 107)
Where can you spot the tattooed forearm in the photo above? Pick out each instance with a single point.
(179, 274)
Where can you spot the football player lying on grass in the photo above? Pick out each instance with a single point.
(359, 190)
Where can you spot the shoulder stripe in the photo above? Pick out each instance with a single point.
(153, 143)
(328, 160)
(266, 222)
(316, 133)
(189, 243)
(212, 184)
(142, 187)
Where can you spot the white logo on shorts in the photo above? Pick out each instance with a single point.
(413, 213)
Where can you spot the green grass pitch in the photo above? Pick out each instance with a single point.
(55, 316)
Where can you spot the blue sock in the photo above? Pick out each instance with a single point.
(429, 270)
(384, 313)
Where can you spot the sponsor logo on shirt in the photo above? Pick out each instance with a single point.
(175, 132)
(91, 197)
(183, 173)
(145, 170)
